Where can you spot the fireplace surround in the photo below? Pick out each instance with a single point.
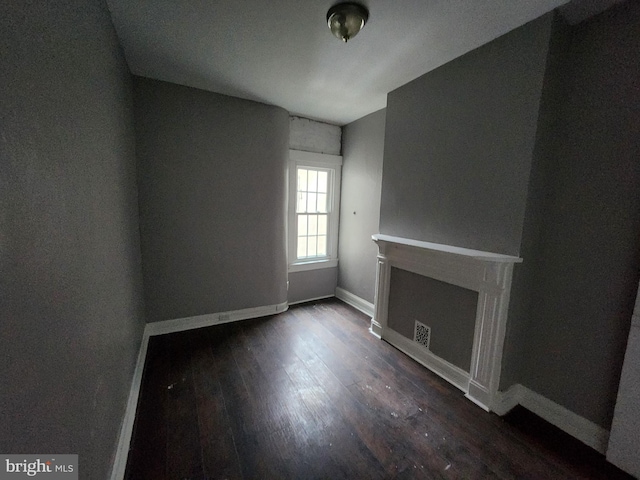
(487, 273)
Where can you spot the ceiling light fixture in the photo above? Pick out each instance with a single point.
(346, 19)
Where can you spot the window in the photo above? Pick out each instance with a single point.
(314, 192)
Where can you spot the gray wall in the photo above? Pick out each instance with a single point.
(363, 147)
(212, 176)
(449, 310)
(312, 284)
(312, 136)
(539, 202)
(459, 143)
(588, 254)
(71, 304)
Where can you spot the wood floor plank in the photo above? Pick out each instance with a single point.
(311, 394)
(335, 437)
(219, 455)
(510, 457)
(184, 454)
(380, 393)
(148, 448)
(388, 449)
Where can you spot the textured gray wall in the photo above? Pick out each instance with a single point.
(312, 284)
(449, 310)
(312, 136)
(363, 147)
(459, 143)
(71, 303)
(523, 296)
(212, 175)
(589, 256)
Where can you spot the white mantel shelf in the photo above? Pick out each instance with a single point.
(487, 273)
(438, 247)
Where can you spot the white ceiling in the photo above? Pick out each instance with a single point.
(281, 52)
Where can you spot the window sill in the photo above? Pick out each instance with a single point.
(304, 266)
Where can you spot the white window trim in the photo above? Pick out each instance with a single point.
(321, 160)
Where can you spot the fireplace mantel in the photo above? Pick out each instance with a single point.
(487, 273)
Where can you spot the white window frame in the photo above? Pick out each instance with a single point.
(299, 158)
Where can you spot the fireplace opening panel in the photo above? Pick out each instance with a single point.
(448, 311)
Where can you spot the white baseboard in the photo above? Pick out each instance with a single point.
(579, 427)
(199, 321)
(506, 401)
(375, 329)
(122, 451)
(355, 301)
(452, 374)
(160, 328)
(314, 299)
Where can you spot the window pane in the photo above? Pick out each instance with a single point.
(302, 202)
(302, 247)
(302, 225)
(312, 212)
(312, 185)
(322, 181)
(322, 224)
(322, 202)
(322, 245)
(312, 247)
(302, 179)
(311, 202)
(313, 224)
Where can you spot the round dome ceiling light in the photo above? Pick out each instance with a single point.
(346, 19)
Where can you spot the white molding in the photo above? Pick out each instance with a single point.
(355, 301)
(375, 329)
(439, 247)
(314, 299)
(126, 431)
(504, 402)
(313, 265)
(452, 374)
(333, 163)
(487, 273)
(579, 427)
(199, 321)
(381, 296)
(575, 425)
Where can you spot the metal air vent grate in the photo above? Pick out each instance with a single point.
(422, 334)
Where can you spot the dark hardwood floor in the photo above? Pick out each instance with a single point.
(310, 393)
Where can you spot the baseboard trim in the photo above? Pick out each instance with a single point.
(355, 301)
(506, 401)
(375, 329)
(575, 425)
(199, 321)
(579, 427)
(452, 374)
(126, 431)
(314, 299)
